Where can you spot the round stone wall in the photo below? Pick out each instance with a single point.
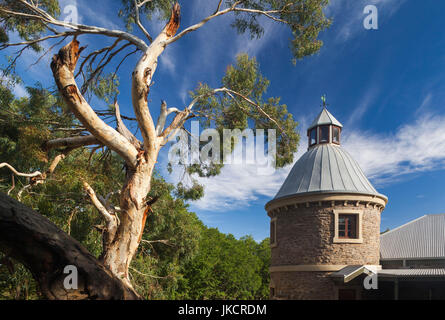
(303, 286)
(305, 236)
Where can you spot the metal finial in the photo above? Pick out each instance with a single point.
(323, 99)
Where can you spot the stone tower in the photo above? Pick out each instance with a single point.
(325, 217)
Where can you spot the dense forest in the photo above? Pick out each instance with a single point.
(179, 257)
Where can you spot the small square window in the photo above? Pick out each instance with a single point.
(347, 226)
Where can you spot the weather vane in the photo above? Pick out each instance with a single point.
(323, 99)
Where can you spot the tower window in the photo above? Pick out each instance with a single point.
(335, 134)
(272, 292)
(347, 226)
(273, 232)
(324, 134)
(312, 137)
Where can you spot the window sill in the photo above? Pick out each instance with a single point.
(341, 240)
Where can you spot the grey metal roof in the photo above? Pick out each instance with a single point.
(423, 238)
(408, 273)
(323, 118)
(326, 168)
(348, 273)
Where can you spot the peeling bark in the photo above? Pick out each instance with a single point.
(142, 79)
(46, 250)
(175, 20)
(133, 204)
(63, 66)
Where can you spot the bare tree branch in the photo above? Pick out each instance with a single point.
(142, 79)
(63, 66)
(163, 116)
(201, 23)
(123, 130)
(96, 202)
(47, 19)
(234, 8)
(20, 174)
(258, 107)
(138, 22)
(71, 142)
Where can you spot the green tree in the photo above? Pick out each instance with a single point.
(240, 101)
(227, 268)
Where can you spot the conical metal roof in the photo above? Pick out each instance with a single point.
(325, 118)
(326, 168)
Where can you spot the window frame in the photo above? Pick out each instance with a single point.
(348, 225)
(359, 226)
(309, 136)
(339, 134)
(319, 134)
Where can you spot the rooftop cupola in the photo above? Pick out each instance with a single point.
(326, 168)
(324, 129)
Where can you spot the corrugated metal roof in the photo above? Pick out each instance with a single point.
(323, 118)
(419, 239)
(407, 273)
(351, 272)
(326, 168)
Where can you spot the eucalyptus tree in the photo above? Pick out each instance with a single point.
(233, 105)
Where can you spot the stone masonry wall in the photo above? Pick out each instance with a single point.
(305, 236)
(303, 286)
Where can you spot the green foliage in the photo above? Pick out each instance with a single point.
(227, 268)
(148, 10)
(229, 111)
(106, 88)
(26, 28)
(305, 18)
(17, 285)
(196, 191)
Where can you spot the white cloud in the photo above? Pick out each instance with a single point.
(416, 147)
(18, 89)
(240, 185)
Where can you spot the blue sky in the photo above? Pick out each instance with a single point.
(386, 86)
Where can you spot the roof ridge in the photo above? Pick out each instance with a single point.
(330, 119)
(404, 225)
